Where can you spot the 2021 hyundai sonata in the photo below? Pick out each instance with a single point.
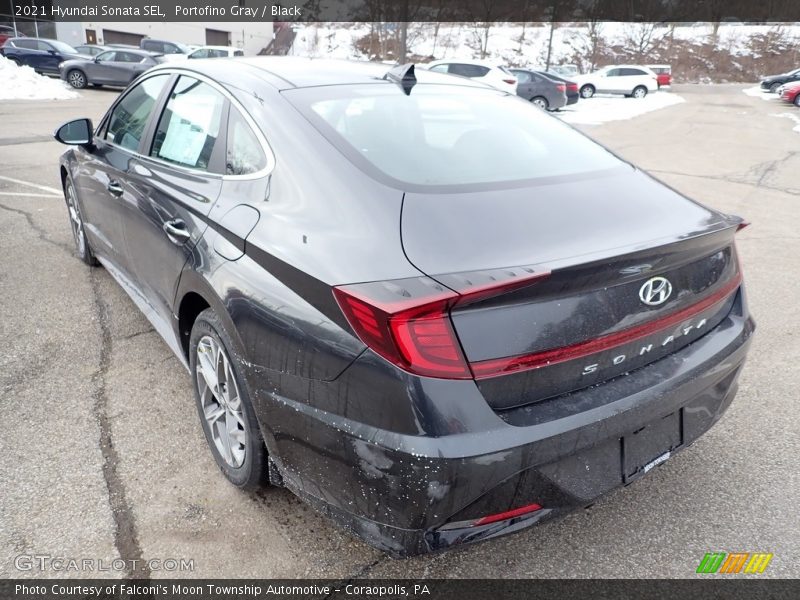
(431, 310)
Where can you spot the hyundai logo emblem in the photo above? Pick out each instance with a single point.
(655, 291)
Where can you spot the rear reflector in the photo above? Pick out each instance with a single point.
(509, 514)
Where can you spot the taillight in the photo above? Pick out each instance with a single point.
(572, 87)
(561, 87)
(407, 321)
(510, 81)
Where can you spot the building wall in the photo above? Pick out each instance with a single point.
(251, 37)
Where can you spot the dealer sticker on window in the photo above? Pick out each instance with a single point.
(656, 461)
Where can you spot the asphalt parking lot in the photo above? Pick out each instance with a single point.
(102, 455)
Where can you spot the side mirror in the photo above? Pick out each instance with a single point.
(75, 133)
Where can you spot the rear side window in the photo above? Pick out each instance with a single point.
(129, 118)
(447, 135)
(468, 70)
(153, 46)
(189, 126)
(244, 153)
(630, 72)
(522, 76)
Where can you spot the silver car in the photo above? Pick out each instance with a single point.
(117, 67)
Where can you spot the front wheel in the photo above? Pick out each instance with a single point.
(82, 247)
(587, 91)
(76, 79)
(540, 102)
(639, 92)
(224, 406)
(797, 101)
(16, 61)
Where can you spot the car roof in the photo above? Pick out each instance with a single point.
(215, 48)
(469, 61)
(287, 72)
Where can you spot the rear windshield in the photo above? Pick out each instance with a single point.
(447, 134)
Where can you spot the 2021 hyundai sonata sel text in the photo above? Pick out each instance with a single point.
(431, 310)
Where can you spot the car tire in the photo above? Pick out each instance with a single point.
(797, 100)
(774, 88)
(77, 79)
(15, 60)
(639, 92)
(82, 247)
(541, 102)
(223, 405)
(587, 91)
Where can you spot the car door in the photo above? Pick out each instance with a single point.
(28, 53)
(633, 78)
(174, 185)
(101, 177)
(526, 86)
(102, 69)
(49, 57)
(610, 81)
(128, 66)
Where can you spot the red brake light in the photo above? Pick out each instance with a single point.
(742, 225)
(509, 514)
(409, 328)
(561, 87)
(407, 321)
(572, 87)
(510, 81)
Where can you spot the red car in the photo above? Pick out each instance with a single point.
(5, 33)
(663, 74)
(791, 93)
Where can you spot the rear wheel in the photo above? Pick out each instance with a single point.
(797, 100)
(224, 406)
(774, 88)
(587, 91)
(639, 91)
(76, 79)
(82, 246)
(541, 102)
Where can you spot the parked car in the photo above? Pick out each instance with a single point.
(629, 80)
(491, 73)
(216, 52)
(791, 93)
(541, 90)
(91, 49)
(565, 70)
(112, 67)
(165, 47)
(470, 320)
(572, 88)
(7, 32)
(663, 74)
(773, 82)
(43, 55)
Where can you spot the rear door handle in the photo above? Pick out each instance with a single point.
(114, 187)
(176, 231)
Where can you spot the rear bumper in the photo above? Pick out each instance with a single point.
(411, 495)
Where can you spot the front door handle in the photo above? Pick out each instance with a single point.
(114, 187)
(176, 231)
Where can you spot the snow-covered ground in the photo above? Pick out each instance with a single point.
(794, 116)
(757, 92)
(602, 108)
(23, 83)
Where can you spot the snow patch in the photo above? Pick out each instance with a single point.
(602, 109)
(23, 83)
(792, 116)
(757, 92)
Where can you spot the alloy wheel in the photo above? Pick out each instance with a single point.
(220, 400)
(639, 92)
(77, 79)
(541, 103)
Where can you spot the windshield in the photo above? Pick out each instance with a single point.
(447, 134)
(62, 47)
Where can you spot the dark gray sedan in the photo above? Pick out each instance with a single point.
(114, 67)
(542, 91)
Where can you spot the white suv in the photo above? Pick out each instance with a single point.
(629, 80)
(491, 73)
